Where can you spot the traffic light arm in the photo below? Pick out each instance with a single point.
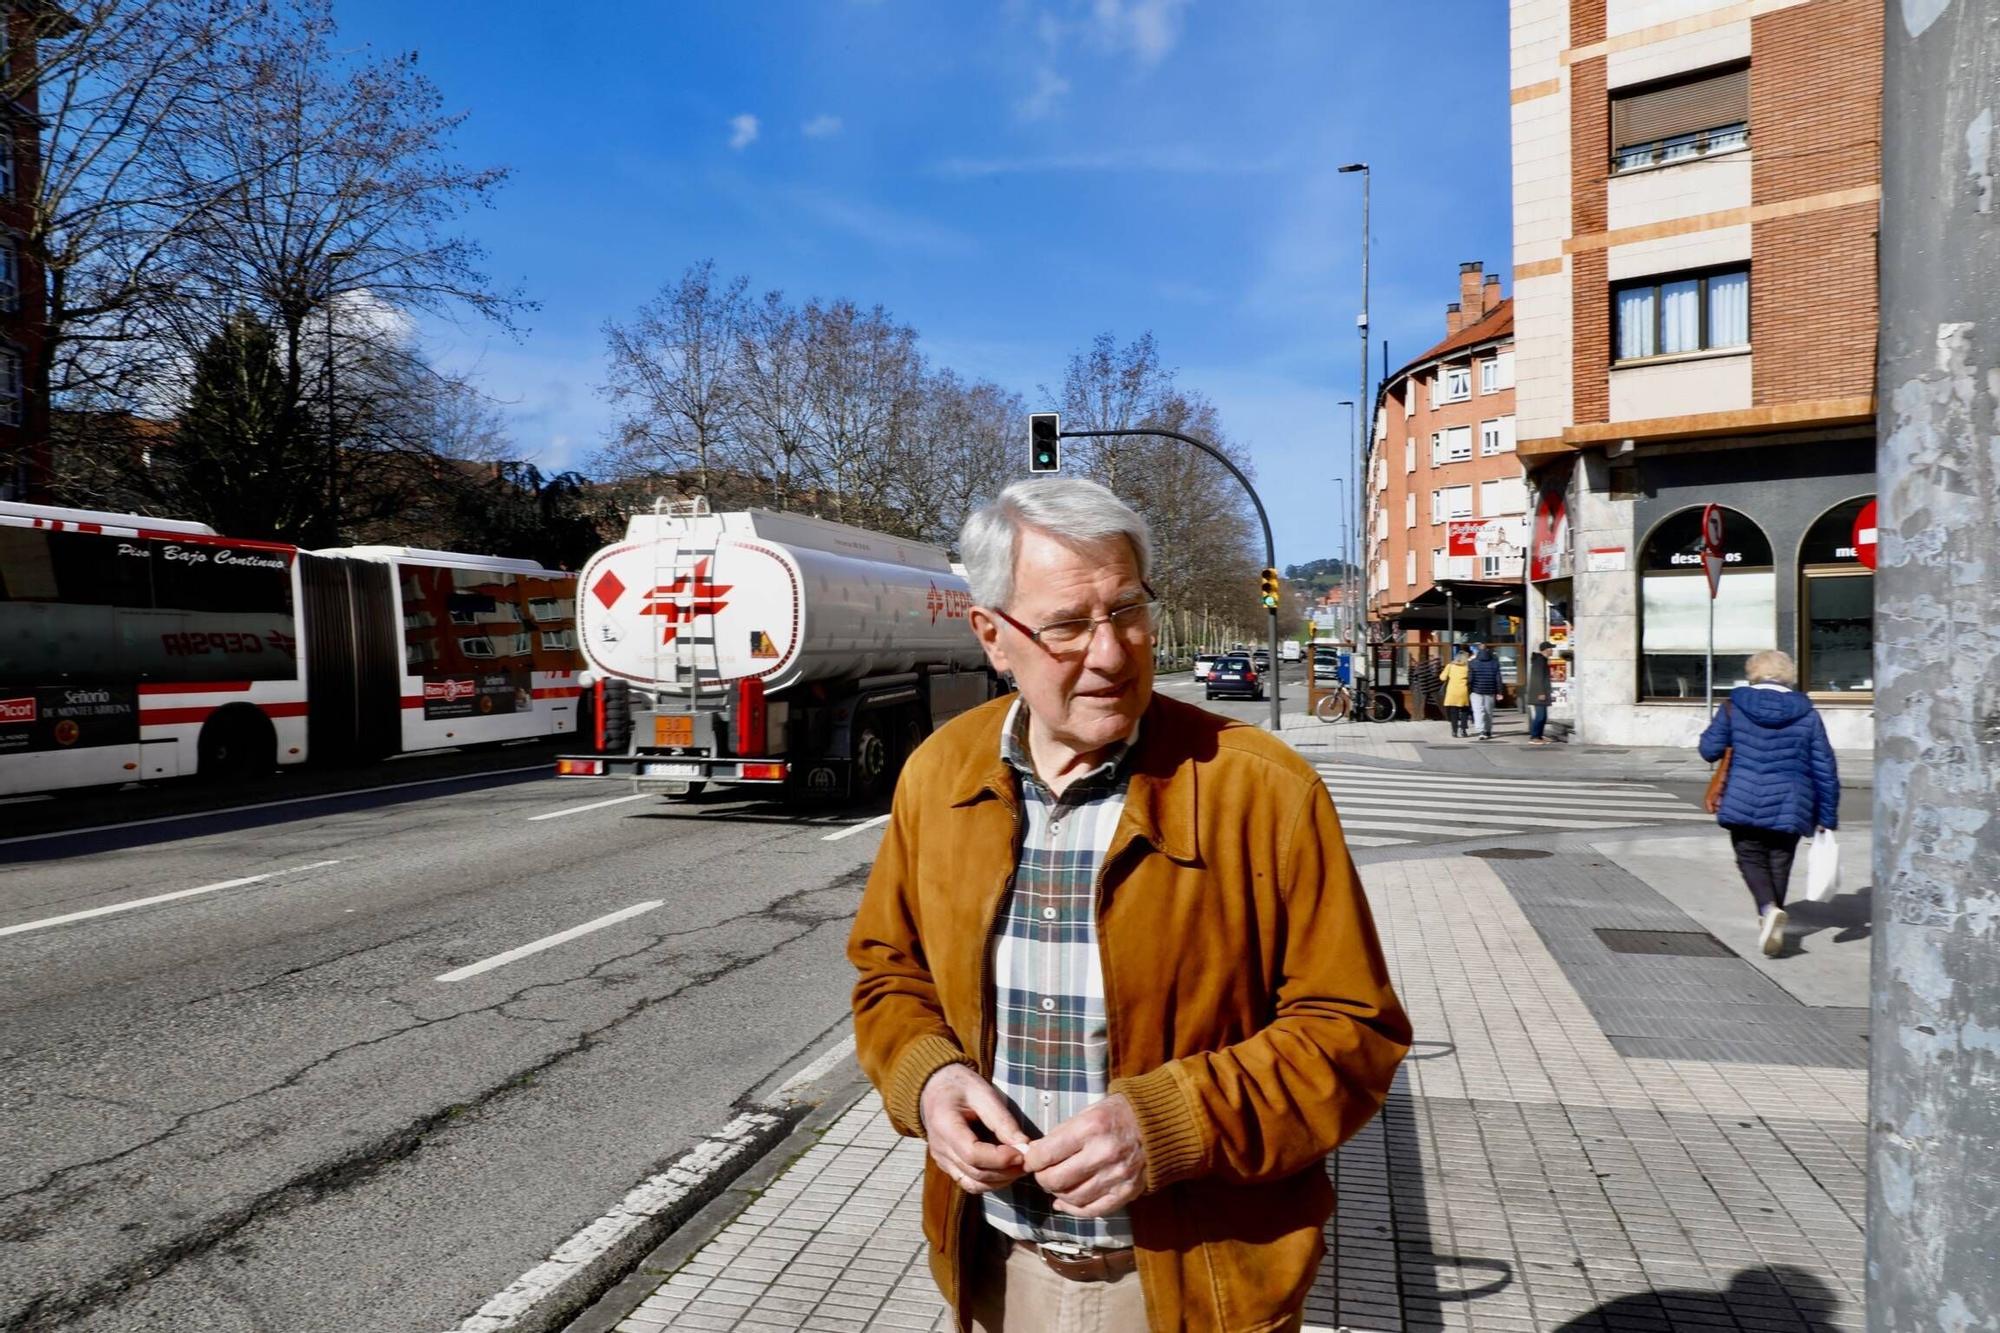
(1263, 520)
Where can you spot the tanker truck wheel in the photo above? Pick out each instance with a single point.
(874, 761)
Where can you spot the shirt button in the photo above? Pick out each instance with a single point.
(1048, 1003)
(1048, 914)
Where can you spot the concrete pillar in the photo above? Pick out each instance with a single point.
(1934, 1098)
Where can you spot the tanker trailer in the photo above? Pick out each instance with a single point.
(771, 649)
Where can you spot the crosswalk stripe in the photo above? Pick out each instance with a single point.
(1546, 805)
(1406, 826)
(1508, 820)
(1362, 840)
(1353, 777)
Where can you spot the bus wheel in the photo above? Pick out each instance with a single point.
(237, 744)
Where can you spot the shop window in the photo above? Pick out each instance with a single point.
(1836, 649)
(1674, 606)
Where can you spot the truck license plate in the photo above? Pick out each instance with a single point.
(674, 771)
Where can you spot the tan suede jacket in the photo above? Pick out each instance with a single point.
(1252, 1024)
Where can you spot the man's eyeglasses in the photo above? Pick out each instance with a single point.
(1131, 622)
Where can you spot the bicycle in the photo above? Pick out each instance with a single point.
(1342, 702)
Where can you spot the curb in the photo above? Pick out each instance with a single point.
(703, 1220)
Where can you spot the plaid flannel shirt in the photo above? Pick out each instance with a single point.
(1051, 1059)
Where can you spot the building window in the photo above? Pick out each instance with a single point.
(1410, 510)
(10, 276)
(11, 392)
(6, 165)
(1457, 444)
(1451, 502)
(1489, 439)
(1836, 606)
(1489, 375)
(1671, 316)
(1503, 495)
(1457, 383)
(1409, 398)
(1495, 567)
(1410, 568)
(1673, 606)
(1681, 119)
(1410, 454)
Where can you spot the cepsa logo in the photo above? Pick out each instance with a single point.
(449, 691)
(952, 602)
(17, 711)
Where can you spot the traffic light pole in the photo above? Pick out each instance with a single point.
(1270, 549)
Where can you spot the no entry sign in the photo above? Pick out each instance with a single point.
(1864, 535)
(1712, 557)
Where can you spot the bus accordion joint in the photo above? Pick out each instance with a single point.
(761, 772)
(579, 768)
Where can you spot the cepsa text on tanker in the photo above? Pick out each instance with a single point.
(200, 644)
(953, 602)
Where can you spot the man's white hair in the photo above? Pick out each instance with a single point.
(1068, 508)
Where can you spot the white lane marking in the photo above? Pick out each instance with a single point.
(594, 805)
(1473, 817)
(162, 898)
(1456, 782)
(839, 1051)
(1533, 804)
(576, 1258)
(1362, 840)
(1401, 826)
(560, 937)
(272, 805)
(853, 829)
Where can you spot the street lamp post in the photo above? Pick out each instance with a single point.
(1362, 399)
(1347, 556)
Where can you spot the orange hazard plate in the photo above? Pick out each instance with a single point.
(673, 730)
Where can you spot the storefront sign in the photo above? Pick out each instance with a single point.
(1548, 551)
(1606, 560)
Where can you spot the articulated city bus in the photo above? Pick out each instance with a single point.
(135, 648)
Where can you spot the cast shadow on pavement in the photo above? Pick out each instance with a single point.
(1848, 913)
(1761, 1297)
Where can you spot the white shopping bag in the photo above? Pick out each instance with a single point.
(1822, 867)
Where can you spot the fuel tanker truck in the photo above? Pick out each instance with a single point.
(768, 649)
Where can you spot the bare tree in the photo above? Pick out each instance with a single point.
(673, 374)
(1112, 388)
(864, 376)
(773, 373)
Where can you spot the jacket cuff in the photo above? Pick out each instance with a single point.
(1167, 1126)
(903, 1093)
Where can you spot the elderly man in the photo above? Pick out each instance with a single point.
(1115, 965)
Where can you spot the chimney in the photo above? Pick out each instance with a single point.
(1489, 296)
(1453, 320)
(1469, 283)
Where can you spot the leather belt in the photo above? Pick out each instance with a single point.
(1093, 1266)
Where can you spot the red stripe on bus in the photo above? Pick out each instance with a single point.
(173, 717)
(557, 692)
(196, 687)
(413, 701)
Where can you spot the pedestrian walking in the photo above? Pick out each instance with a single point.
(1781, 782)
(1088, 856)
(1484, 681)
(1457, 678)
(1538, 693)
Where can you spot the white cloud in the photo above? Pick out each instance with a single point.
(821, 127)
(1050, 88)
(1150, 29)
(742, 131)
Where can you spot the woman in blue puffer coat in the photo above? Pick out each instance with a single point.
(1782, 783)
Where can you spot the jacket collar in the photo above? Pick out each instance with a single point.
(1159, 797)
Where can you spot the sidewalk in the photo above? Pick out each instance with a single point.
(1509, 754)
(1529, 1173)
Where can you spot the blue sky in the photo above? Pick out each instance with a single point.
(1009, 178)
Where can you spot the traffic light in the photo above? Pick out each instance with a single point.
(1269, 584)
(1044, 442)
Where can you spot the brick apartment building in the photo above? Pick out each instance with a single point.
(1696, 190)
(24, 412)
(1447, 516)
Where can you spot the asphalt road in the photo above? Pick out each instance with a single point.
(260, 1106)
(266, 1102)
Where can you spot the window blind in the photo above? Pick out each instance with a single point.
(1704, 103)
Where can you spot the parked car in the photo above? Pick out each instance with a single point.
(1261, 659)
(1204, 663)
(1235, 675)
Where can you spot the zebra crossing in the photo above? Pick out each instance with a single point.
(1398, 807)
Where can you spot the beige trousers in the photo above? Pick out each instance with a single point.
(1013, 1291)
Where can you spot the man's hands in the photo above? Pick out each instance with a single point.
(1093, 1163)
(953, 1101)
